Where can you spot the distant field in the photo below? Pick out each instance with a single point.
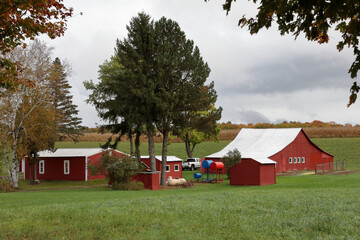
(297, 207)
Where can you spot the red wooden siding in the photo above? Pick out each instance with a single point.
(54, 169)
(267, 174)
(150, 180)
(300, 147)
(251, 172)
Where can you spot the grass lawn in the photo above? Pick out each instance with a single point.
(297, 207)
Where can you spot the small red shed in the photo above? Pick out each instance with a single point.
(68, 164)
(253, 172)
(289, 148)
(173, 165)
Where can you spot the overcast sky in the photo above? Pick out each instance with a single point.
(258, 78)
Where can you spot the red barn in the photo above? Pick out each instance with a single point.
(68, 164)
(173, 165)
(289, 148)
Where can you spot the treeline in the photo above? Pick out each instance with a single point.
(285, 124)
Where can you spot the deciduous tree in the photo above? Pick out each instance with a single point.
(27, 114)
(21, 19)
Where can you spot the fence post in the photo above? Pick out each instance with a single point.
(322, 167)
(343, 164)
(329, 166)
(315, 168)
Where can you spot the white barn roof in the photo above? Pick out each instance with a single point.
(72, 152)
(260, 144)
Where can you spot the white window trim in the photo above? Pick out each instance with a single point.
(303, 159)
(42, 162)
(295, 159)
(290, 160)
(178, 168)
(167, 167)
(68, 162)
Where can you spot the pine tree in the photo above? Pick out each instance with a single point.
(68, 123)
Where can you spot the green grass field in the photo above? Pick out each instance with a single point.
(297, 207)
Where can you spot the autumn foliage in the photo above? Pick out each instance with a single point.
(22, 19)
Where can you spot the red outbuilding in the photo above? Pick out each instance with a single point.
(69, 164)
(265, 152)
(173, 165)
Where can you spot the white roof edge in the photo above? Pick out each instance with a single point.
(168, 158)
(75, 152)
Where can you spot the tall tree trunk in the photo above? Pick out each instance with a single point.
(6, 156)
(30, 175)
(131, 143)
(34, 171)
(14, 179)
(187, 146)
(137, 145)
(151, 150)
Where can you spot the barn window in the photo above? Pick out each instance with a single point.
(295, 160)
(41, 167)
(303, 159)
(176, 167)
(167, 168)
(290, 160)
(66, 167)
(299, 159)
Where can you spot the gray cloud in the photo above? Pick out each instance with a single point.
(291, 74)
(251, 116)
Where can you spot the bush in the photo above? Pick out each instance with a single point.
(5, 185)
(118, 170)
(121, 171)
(231, 159)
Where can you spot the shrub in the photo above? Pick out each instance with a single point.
(5, 185)
(117, 169)
(231, 159)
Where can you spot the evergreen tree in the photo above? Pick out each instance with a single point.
(154, 80)
(68, 123)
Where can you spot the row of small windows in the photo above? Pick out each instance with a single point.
(297, 160)
(176, 168)
(66, 167)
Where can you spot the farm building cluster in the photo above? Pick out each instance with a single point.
(264, 153)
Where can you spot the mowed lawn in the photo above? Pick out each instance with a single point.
(297, 207)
